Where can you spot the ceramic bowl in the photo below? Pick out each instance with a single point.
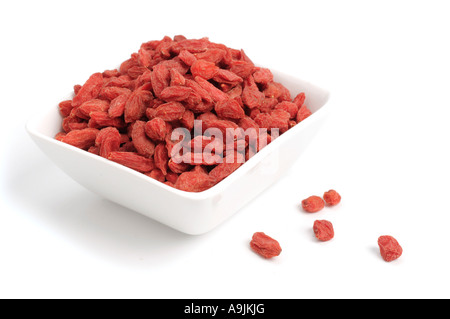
(191, 213)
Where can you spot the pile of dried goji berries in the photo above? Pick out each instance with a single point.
(128, 115)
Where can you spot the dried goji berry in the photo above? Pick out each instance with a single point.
(193, 182)
(187, 57)
(214, 55)
(102, 119)
(94, 105)
(390, 249)
(156, 129)
(89, 90)
(229, 109)
(170, 111)
(160, 78)
(332, 197)
(175, 93)
(251, 96)
(187, 120)
(136, 105)
(135, 71)
(126, 65)
(235, 92)
(117, 106)
(299, 99)
(313, 204)
(228, 77)
(223, 170)
(203, 68)
(108, 140)
(199, 90)
(176, 78)
(172, 178)
(289, 107)
(83, 139)
(65, 107)
(178, 168)
(278, 91)
(161, 158)
(141, 142)
(265, 120)
(323, 230)
(215, 94)
(241, 68)
(79, 126)
(303, 113)
(111, 92)
(263, 76)
(265, 246)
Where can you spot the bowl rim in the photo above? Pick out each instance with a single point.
(247, 166)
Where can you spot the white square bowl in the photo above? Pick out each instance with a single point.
(190, 213)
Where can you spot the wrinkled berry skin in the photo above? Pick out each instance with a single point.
(332, 197)
(264, 245)
(390, 249)
(323, 230)
(313, 204)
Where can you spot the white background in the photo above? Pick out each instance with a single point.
(385, 148)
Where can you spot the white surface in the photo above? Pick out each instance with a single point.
(191, 213)
(385, 149)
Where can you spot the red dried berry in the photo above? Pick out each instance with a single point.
(187, 120)
(157, 174)
(117, 106)
(214, 55)
(187, 57)
(83, 139)
(323, 230)
(156, 129)
(299, 99)
(332, 197)
(161, 158)
(230, 164)
(170, 111)
(303, 113)
(176, 78)
(390, 249)
(313, 204)
(203, 68)
(193, 182)
(89, 90)
(215, 94)
(102, 119)
(108, 140)
(264, 245)
(111, 92)
(160, 78)
(175, 93)
(242, 69)
(227, 77)
(251, 96)
(136, 105)
(141, 142)
(65, 107)
(133, 161)
(263, 76)
(85, 109)
(289, 107)
(229, 109)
